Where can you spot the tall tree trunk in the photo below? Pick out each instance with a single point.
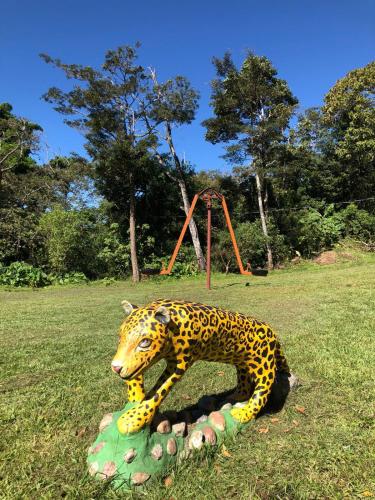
(133, 241)
(263, 220)
(192, 226)
(181, 182)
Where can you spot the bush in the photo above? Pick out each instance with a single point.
(186, 263)
(318, 231)
(73, 278)
(21, 274)
(70, 241)
(114, 254)
(357, 223)
(251, 244)
(181, 269)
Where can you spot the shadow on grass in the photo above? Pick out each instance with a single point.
(241, 283)
(214, 402)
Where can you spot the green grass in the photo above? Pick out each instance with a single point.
(55, 352)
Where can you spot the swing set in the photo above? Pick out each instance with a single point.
(207, 195)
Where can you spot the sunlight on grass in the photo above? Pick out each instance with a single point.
(56, 383)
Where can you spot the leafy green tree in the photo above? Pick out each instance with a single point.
(252, 108)
(18, 235)
(305, 167)
(252, 245)
(174, 103)
(28, 189)
(114, 253)
(107, 104)
(358, 223)
(71, 182)
(18, 139)
(319, 231)
(349, 110)
(70, 241)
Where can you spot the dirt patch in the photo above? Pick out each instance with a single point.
(24, 380)
(346, 256)
(325, 258)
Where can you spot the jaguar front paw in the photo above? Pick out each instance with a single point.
(243, 415)
(136, 418)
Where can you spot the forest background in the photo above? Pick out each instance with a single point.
(297, 181)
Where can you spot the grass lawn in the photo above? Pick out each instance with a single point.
(55, 352)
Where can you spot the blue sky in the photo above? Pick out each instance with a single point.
(311, 43)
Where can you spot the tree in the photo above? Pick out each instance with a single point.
(18, 139)
(252, 109)
(70, 179)
(349, 110)
(107, 105)
(69, 240)
(174, 103)
(27, 189)
(306, 167)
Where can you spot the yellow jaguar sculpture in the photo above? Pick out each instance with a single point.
(182, 333)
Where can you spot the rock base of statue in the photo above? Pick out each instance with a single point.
(130, 460)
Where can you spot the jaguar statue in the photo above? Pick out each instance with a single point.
(184, 332)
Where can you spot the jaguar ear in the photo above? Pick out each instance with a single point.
(162, 315)
(128, 307)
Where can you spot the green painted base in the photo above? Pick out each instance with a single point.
(132, 459)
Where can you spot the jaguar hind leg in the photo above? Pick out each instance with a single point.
(281, 362)
(245, 385)
(264, 376)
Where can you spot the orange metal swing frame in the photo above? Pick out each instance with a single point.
(207, 195)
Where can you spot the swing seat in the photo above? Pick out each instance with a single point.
(259, 272)
(150, 272)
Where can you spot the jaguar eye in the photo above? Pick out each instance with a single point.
(144, 343)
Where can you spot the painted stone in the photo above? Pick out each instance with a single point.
(130, 455)
(171, 446)
(202, 418)
(164, 427)
(179, 429)
(217, 419)
(93, 468)
(209, 435)
(196, 440)
(109, 469)
(157, 452)
(139, 478)
(226, 406)
(106, 420)
(98, 448)
(240, 405)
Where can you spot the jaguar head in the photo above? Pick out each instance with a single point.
(142, 341)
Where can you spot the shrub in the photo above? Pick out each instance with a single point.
(318, 231)
(252, 246)
(73, 278)
(181, 269)
(357, 223)
(114, 253)
(20, 274)
(70, 240)
(186, 263)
